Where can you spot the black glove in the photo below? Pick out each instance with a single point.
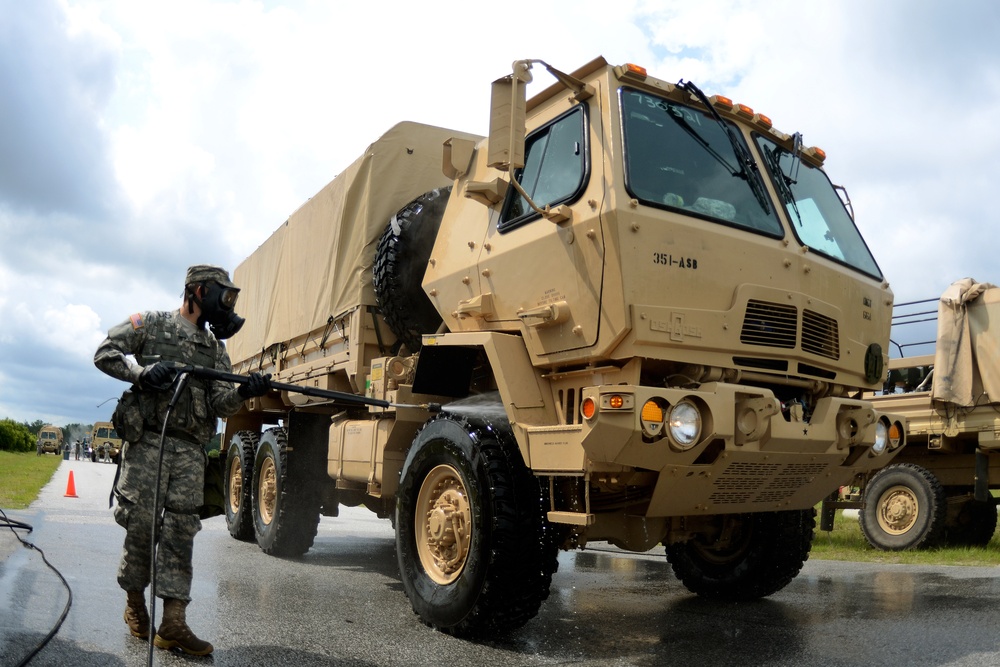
(257, 385)
(158, 376)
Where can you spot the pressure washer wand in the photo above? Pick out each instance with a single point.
(338, 396)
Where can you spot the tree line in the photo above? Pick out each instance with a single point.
(23, 436)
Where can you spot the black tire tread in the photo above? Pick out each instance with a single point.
(780, 546)
(519, 561)
(296, 518)
(974, 525)
(241, 524)
(898, 473)
(400, 261)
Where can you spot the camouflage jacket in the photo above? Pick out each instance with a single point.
(166, 336)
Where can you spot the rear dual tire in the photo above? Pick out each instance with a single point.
(238, 485)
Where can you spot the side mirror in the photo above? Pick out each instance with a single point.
(508, 109)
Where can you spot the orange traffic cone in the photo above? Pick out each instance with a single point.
(71, 487)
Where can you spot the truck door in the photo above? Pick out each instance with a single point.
(545, 274)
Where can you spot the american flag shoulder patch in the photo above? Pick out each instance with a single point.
(137, 322)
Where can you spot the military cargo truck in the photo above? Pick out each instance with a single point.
(50, 440)
(648, 316)
(938, 489)
(105, 443)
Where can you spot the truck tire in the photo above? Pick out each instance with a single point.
(400, 261)
(765, 551)
(285, 513)
(903, 507)
(470, 532)
(973, 525)
(239, 477)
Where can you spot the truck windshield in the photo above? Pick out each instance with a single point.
(678, 157)
(818, 216)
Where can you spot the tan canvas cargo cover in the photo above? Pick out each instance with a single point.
(967, 358)
(318, 263)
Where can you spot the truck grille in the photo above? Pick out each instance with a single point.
(820, 335)
(743, 482)
(776, 325)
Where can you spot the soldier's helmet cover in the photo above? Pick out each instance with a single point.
(218, 303)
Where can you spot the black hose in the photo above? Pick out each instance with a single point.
(157, 511)
(7, 523)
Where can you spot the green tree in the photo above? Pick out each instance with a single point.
(33, 427)
(15, 437)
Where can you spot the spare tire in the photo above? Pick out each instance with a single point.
(400, 262)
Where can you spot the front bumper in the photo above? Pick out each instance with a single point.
(749, 454)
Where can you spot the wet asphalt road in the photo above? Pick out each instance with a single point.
(342, 604)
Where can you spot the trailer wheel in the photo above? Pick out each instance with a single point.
(904, 507)
(973, 524)
(285, 514)
(400, 261)
(470, 533)
(239, 481)
(749, 556)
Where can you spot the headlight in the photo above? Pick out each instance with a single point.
(684, 425)
(881, 436)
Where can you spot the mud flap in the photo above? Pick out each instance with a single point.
(982, 482)
(215, 490)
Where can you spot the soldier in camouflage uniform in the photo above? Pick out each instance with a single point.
(141, 351)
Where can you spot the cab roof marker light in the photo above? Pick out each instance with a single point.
(763, 121)
(635, 69)
(721, 102)
(631, 72)
(816, 152)
(744, 110)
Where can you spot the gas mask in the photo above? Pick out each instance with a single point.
(217, 309)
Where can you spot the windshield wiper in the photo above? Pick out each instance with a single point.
(782, 182)
(748, 170)
(686, 126)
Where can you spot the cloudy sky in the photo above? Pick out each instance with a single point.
(137, 138)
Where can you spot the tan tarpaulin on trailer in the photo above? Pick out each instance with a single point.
(967, 358)
(318, 263)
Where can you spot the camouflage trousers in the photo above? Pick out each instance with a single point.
(182, 482)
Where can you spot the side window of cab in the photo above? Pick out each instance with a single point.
(555, 170)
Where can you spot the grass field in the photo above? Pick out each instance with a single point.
(22, 476)
(845, 542)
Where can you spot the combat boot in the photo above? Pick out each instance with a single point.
(174, 631)
(136, 616)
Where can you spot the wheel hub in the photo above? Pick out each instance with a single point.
(235, 486)
(898, 510)
(443, 524)
(268, 489)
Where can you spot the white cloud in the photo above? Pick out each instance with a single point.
(143, 137)
(61, 329)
